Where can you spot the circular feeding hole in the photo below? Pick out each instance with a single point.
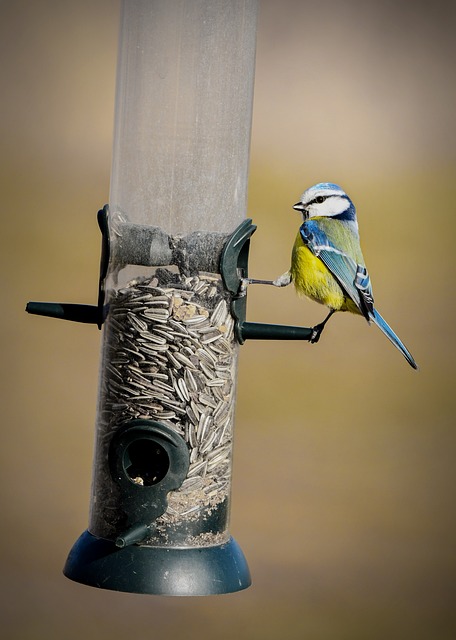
(146, 462)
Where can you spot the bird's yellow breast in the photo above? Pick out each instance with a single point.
(314, 280)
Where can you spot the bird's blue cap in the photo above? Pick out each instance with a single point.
(327, 186)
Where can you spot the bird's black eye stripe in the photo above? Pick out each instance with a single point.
(318, 200)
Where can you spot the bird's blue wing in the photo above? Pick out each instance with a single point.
(351, 276)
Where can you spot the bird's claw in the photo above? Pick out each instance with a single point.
(316, 333)
(243, 284)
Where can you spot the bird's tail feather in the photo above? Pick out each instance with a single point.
(389, 333)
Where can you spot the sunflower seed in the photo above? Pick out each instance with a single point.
(176, 364)
(194, 454)
(194, 320)
(182, 388)
(207, 400)
(161, 384)
(196, 409)
(207, 444)
(153, 337)
(192, 439)
(218, 313)
(184, 360)
(139, 324)
(191, 414)
(212, 291)
(204, 425)
(207, 371)
(197, 468)
(190, 380)
(216, 382)
(206, 357)
(190, 484)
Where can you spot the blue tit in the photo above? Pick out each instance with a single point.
(327, 264)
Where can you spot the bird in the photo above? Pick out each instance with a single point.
(327, 264)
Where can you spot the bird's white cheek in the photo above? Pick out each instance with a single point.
(330, 207)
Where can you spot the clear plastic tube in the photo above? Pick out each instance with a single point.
(178, 189)
(183, 113)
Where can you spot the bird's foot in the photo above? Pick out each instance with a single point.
(243, 284)
(282, 281)
(318, 328)
(316, 332)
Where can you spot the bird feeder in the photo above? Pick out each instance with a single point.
(174, 249)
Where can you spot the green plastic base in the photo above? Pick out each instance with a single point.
(169, 571)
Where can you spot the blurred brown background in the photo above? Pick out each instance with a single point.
(344, 468)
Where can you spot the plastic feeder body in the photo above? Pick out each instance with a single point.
(159, 520)
(166, 400)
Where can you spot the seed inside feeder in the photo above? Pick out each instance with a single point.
(171, 357)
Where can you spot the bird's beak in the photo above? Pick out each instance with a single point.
(300, 207)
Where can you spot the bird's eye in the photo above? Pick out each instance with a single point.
(320, 199)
